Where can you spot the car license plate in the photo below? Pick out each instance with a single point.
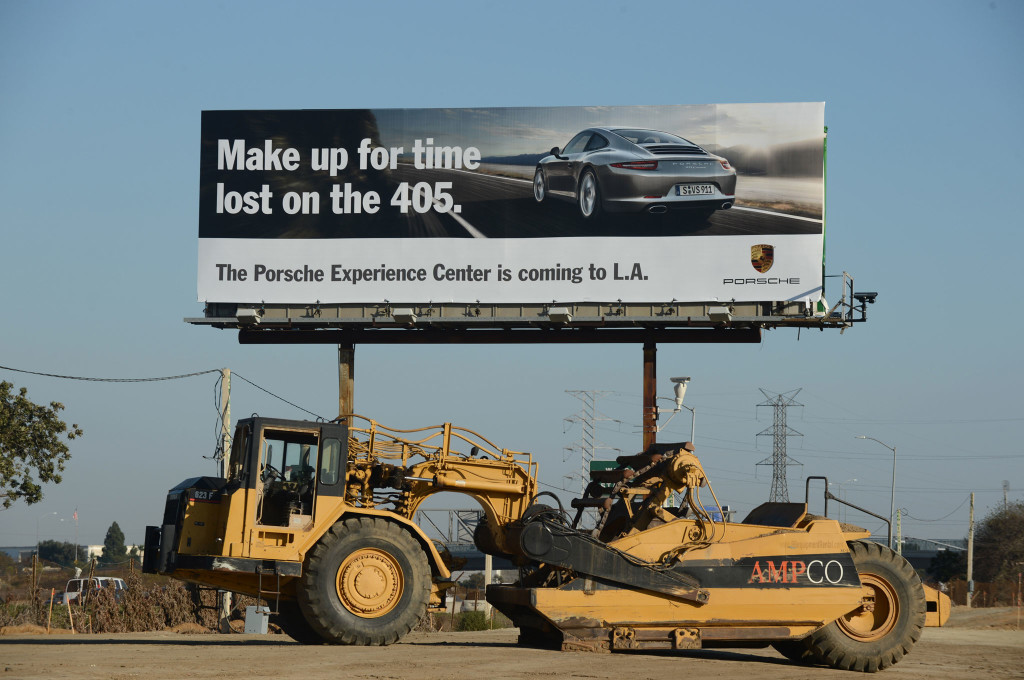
(695, 190)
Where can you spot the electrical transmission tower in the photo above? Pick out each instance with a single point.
(588, 445)
(778, 432)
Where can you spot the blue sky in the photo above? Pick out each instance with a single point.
(100, 130)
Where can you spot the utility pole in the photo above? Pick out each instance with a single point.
(225, 456)
(225, 421)
(970, 555)
(779, 431)
(488, 575)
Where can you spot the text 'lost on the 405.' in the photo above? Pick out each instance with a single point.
(421, 197)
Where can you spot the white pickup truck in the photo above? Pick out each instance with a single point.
(76, 586)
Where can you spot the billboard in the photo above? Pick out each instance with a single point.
(702, 203)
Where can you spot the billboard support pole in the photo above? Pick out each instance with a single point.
(650, 417)
(346, 379)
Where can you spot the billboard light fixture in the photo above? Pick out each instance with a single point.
(247, 316)
(719, 314)
(560, 314)
(404, 315)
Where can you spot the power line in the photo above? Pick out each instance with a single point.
(114, 380)
(158, 378)
(918, 519)
(315, 415)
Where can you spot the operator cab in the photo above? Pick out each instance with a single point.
(287, 464)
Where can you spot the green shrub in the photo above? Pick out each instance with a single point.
(472, 621)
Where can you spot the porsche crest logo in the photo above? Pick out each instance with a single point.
(762, 256)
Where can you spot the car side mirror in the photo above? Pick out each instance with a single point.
(554, 152)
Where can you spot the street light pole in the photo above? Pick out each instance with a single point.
(892, 495)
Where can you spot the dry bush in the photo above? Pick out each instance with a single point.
(16, 614)
(141, 608)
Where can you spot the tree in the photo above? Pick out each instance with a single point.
(32, 451)
(475, 580)
(61, 552)
(114, 549)
(999, 544)
(949, 564)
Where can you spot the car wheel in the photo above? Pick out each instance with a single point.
(588, 197)
(540, 189)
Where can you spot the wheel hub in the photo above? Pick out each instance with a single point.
(588, 195)
(370, 583)
(878, 614)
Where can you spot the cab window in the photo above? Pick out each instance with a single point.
(288, 456)
(330, 461)
(288, 463)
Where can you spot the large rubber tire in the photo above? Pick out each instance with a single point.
(871, 641)
(794, 650)
(367, 583)
(293, 623)
(588, 196)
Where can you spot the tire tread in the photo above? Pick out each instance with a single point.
(321, 613)
(831, 647)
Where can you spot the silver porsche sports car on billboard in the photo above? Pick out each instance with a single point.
(629, 170)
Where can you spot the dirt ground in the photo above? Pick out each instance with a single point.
(976, 644)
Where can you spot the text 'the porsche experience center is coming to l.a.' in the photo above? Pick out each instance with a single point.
(513, 205)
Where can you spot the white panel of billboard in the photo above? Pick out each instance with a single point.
(513, 205)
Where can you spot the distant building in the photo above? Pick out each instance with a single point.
(19, 553)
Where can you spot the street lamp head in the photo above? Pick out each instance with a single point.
(680, 390)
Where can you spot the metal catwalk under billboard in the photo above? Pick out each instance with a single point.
(513, 205)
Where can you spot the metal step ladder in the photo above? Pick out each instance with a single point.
(263, 594)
